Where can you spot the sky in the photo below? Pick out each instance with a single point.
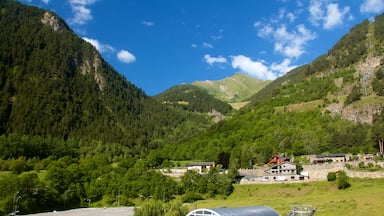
(158, 44)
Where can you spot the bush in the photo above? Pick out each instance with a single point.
(191, 197)
(361, 165)
(343, 180)
(331, 176)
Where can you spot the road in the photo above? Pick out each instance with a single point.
(122, 211)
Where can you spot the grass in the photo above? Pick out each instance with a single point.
(364, 197)
(311, 105)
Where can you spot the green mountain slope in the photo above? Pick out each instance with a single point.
(329, 79)
(194, 99)
(54, 83)
(236, 88)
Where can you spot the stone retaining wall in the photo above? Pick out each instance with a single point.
(319, 172)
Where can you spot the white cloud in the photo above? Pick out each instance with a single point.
(372, 6)
(259, 69)
(257, 24)
(292, 44)
(291, 17)
(126, 57)
(148, 23)
(99, 46)
(254, 68)
(45, 1)
(207, 45)
(217, 37)
(335, 16)
(283, 67)
(81, 13)
(123, 55)
(330, 15)
(213, 60)
(316, 12)
(194, 45)
(82, 2)
(265, 31)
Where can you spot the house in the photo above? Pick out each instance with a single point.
(286, 168)
(201, 167)
(283, 172)
(278, 159)
(328, 158)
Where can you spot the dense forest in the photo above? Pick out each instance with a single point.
(75, 133)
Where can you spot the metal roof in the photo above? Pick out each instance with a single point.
(241, 211)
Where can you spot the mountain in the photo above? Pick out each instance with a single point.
(332, 105)
(349, 67)
(55, 84)
(194, 99)
(236, 88)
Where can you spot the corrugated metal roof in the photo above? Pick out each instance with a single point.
(241, 211)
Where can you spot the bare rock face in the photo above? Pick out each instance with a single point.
(93, 66)
(360, 112)
(52, 21)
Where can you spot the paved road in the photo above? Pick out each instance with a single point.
(122, 211)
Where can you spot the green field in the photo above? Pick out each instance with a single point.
(364, 197)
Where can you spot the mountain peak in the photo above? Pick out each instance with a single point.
(236, 88)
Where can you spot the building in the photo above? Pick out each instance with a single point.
(278, 159)
(279, 169)
(201, 167)
(328, 158)
(286, 168)
(241, 211)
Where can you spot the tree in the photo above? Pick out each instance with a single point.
(353, 96)
(378, 131)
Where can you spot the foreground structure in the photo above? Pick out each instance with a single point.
(241, 211)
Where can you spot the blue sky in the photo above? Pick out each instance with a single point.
(159, 44)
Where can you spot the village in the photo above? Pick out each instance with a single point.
(281, 169)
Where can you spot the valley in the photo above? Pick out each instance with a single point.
(75, 133)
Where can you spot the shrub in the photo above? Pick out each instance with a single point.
(331, 176)
(361, 165)
(191, 197)
(343, 180)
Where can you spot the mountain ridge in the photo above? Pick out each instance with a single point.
(236, 88)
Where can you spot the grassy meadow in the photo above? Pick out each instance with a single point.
(364, 197)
